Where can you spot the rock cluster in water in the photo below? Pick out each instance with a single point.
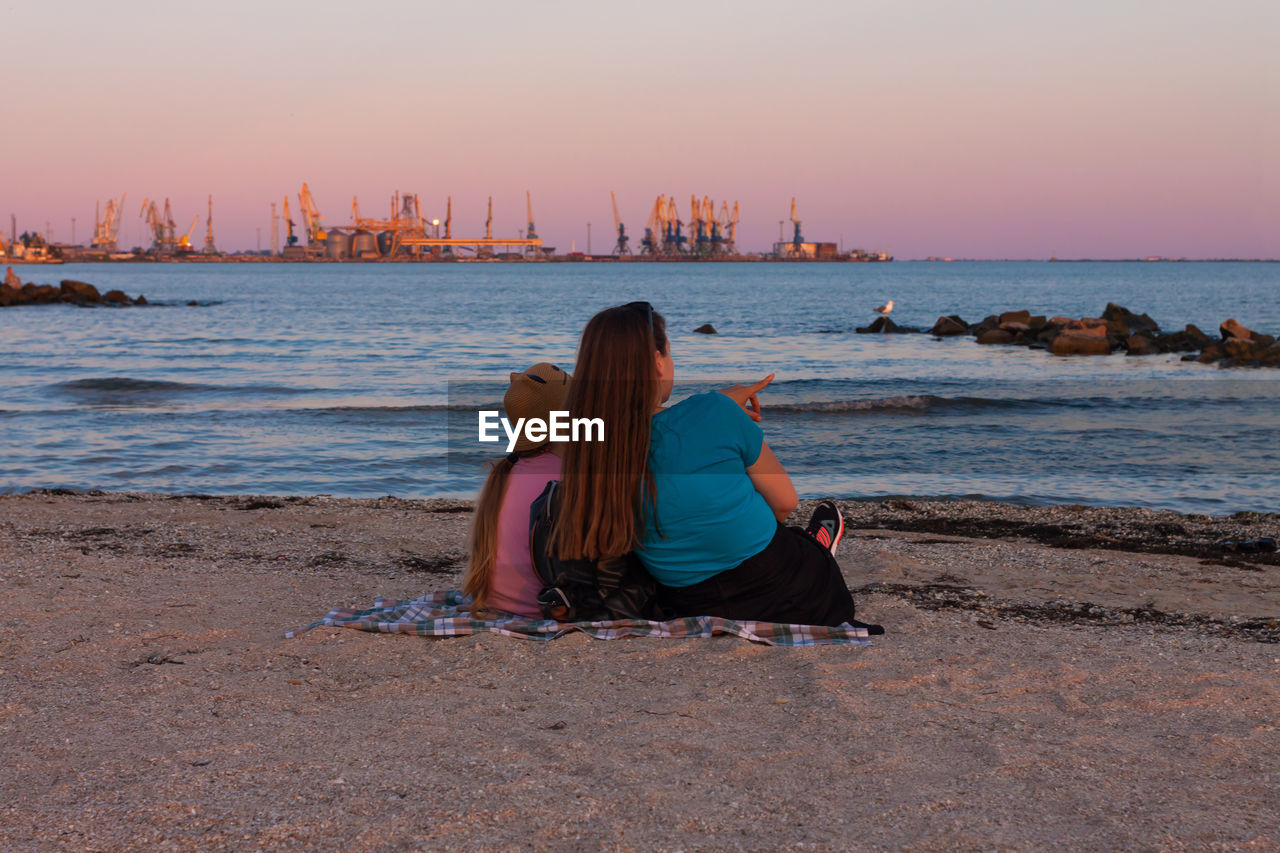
(14, 292)
(1118, 329)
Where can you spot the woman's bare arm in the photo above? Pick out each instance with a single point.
(773, 483)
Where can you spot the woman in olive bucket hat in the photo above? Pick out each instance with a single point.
(500, 571)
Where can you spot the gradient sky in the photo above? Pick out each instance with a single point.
(982, 128)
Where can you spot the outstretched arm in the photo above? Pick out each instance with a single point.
(773, 483)
(745, 396)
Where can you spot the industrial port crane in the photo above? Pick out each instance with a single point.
(796, 239)
(664, 232)
(161, 225)
(698, 227)
(311, 219)
(209, 247)
(655, 228)
(169, 225)
(730, 227)
(717, 226)
(106, 229)
(291, 239)
(532, 233)
(149, 214)
(184, 242)
(404, 230)
(621, 248)
(674, 239)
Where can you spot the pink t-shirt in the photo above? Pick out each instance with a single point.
(515, 586)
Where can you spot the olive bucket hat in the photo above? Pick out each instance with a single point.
(535, 393)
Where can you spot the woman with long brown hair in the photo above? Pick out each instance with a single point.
(692, 488)
(500, 573)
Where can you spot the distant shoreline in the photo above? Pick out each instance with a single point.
(249, 258)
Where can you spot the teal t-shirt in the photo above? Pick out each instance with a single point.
(709, 515)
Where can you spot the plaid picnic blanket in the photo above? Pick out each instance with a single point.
(446, 614)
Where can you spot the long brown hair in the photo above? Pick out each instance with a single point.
(606, 484)
(483, 556)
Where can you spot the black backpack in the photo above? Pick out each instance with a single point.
(586, 590)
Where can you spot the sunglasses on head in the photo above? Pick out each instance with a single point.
(646, 308)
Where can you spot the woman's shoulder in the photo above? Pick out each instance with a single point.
(710, 414)
(700, 405)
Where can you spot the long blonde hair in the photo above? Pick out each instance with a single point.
(606, 485)
(483, 550)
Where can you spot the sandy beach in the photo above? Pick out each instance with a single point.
(1052, 678)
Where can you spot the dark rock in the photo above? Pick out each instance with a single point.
(193, 303)
(987, 324)
(1085, 341)
(1037, 323)
(1199, 338)
(1146, 322)
(705, 329)
(996, 336)
(1234, 329)
(1211, 353)
(1025, 338)
(79, 291)
(948, 326)
(1015, 317)
(883, 325)
(39, 293)
(1241, 348)
(1116, 312)
(1126, 321)
(1270, 357)
(1015, 326)
(69, 291)
(1263, 341)
(1191, 340)
(1140, 344)
(1117, 329)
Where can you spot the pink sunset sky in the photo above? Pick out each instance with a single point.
(969, 129)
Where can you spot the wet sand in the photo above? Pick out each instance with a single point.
(1052, 678)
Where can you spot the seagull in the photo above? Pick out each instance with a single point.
(884, 310)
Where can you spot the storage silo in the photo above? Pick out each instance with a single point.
(364, 245)
(384, 243)
(337, 245)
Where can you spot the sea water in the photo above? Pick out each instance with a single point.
(344, 379)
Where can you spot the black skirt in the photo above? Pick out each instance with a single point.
(793, 580)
